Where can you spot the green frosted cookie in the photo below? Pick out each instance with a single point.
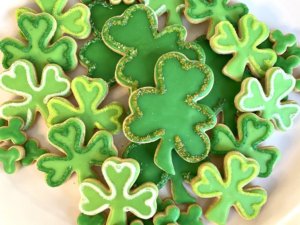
(11, 130)
(74, 22)
(91, 220)
(32, 152)
(157, 113)
(68, 137)
(38, 31)
(142, 48)
(10, 158)
(230, 191)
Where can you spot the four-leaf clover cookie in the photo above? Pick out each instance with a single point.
(244, 47)
(74, 22)
(170, 112)
(143, 47)
(22, 80)
(252, 131)
(68, 137)
(230, 190)
(270, 102)
(38, 31)
(120, 175)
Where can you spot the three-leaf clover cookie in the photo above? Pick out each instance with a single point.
(230, 190)
(244, 47)
(252, 131)
(38, 31)
(74, 22)
(143, 47)
(11, 130)
(98, 219)
(173, 8)
(10, 158)
(68, 137)
(270, 103)
(169, 112)
(282, 42)
(119, 198)
(32, 152)
(89, 94)
(198, 11)
(22, 80)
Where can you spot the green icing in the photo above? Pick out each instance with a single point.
(198, 11)
(68, 137)
(282, 42)
(230, 190)
(270, 103)
(143, 47)
(244, 47)
(120, 175)
(10, 157)
(252, 131)
(91, 220)
(11, 130)
(38, 30)
(32, 152)
(184, 171)
(74, 22)
(21, 80)
(89, 94)
(173, 8)
(158, 113)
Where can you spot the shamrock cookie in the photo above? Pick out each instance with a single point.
(184, 171)
(173, 8)
(198, 11)
(74, 22)
(282, 42)
(120, 175)
(244, 47)
(230, 190)
(89, 93)
(68, 137)
(134, 35)
(91, 220)
(32, 152)
(252, 131)
(11, 130)
(270, 102)
(10, 157)
(21, 79)
(156, 113)
(38, 30)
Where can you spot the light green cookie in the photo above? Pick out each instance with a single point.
(120, 175)
(38, 30)
(74, 22)
(230, 191)
(244, 47)
(269, 102)
(89, 94)
(68, 137)
(10, 157)
(21, 79)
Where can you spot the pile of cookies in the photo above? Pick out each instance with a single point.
(219, 96)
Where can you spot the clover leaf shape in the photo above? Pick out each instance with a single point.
(141, 50)
(157, 113)
(11, 130)
(230, 191)
(10, 158)
(32, 152)
(270, 103)
(38, 30)
(89, 93)
(68, 137)
(74, 22)
(252, 131)
(282, 42)
(120, 175)
(244, 47)
(98, 219)
(173, 8)
(198, 11)
(21, 79)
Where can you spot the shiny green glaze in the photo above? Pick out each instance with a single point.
(230, 190)
(170, 112)
(21, 80)
(32, 152)
(38, 30)
(252, 131)
(198, 11)
(91, 220)
(10, 157)
(282, 42)
(143, 47)
(11, 130)
(89, 94)
(68, 137)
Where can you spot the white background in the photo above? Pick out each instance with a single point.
(25, 198)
